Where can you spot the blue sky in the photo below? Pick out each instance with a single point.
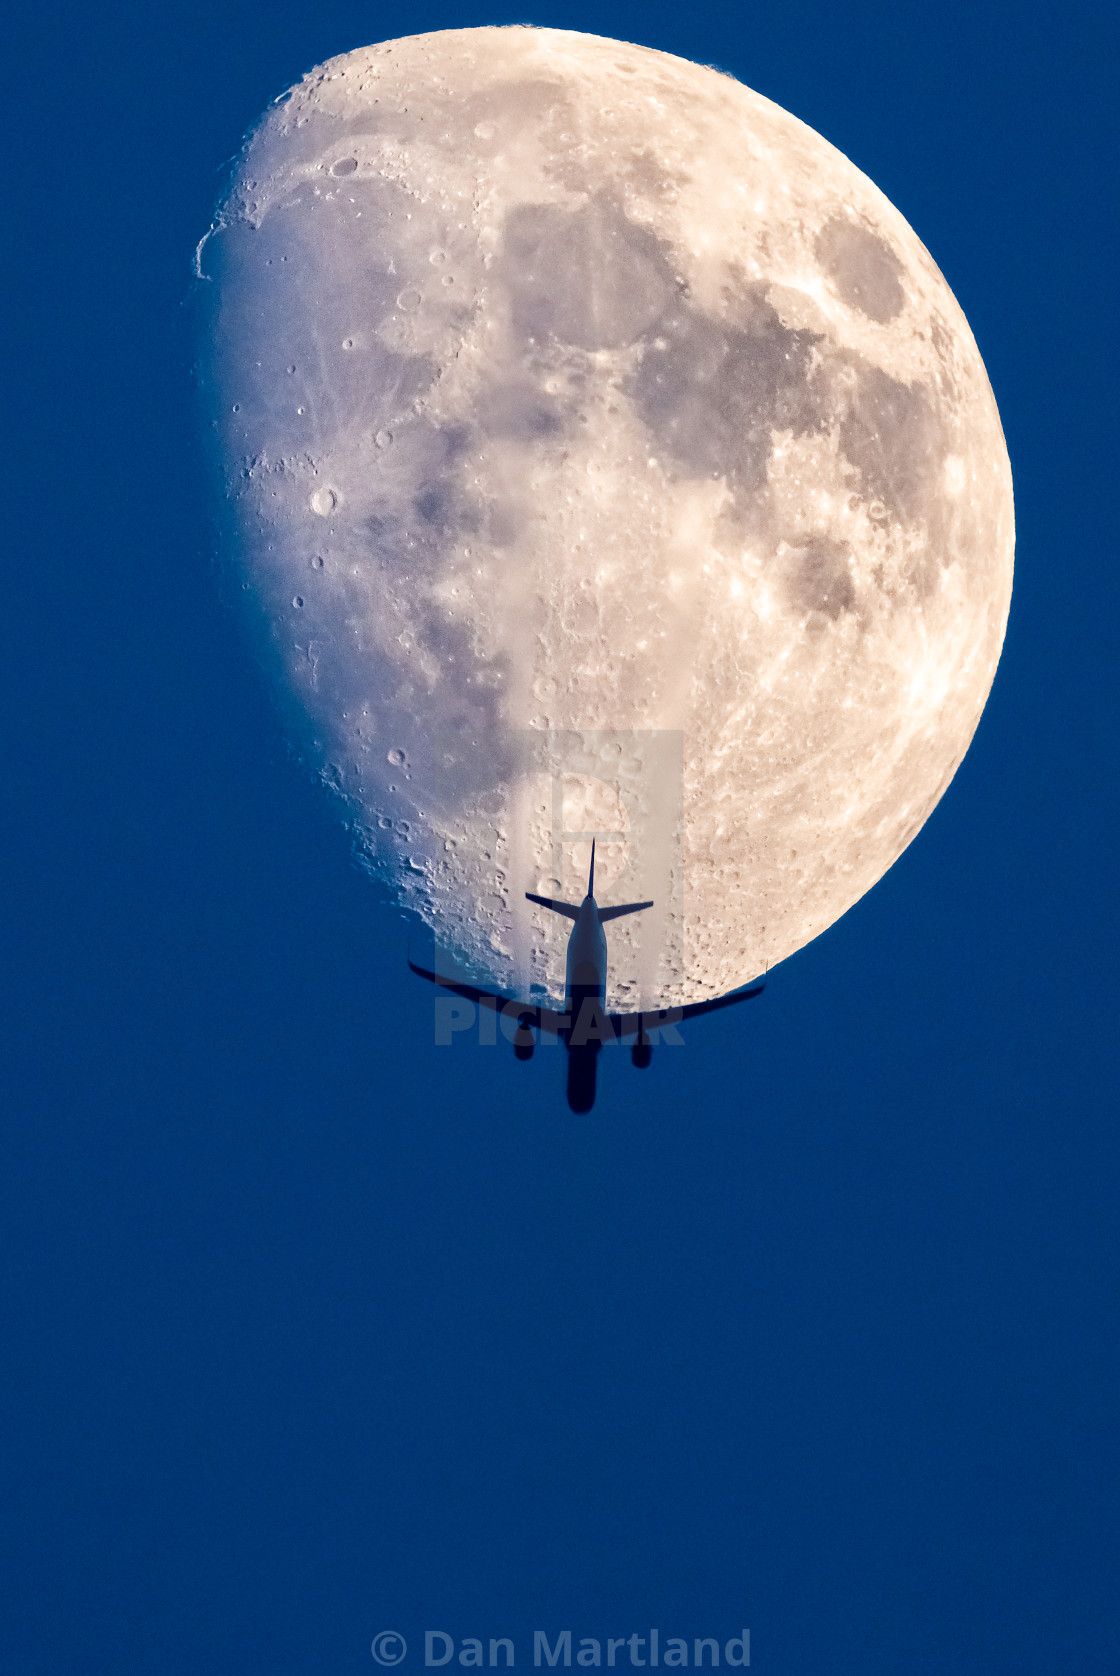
(311, 1331)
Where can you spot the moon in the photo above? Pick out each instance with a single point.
(602, 455)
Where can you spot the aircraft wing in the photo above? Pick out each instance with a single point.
(696, 1008)
(626, 1024)
(623, 1024)
(486, 997)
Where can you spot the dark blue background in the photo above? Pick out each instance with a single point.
(310, 1330)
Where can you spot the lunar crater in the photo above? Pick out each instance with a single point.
(862, 267)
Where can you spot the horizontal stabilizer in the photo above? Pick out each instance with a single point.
(564, 908)
(626, 908)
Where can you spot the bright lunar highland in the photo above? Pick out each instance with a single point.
(603, 454)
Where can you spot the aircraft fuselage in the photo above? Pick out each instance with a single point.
(587, 959)
(585, 1026)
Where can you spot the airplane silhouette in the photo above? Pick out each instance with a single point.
(585, 1026)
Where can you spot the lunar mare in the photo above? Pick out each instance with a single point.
(573, 400)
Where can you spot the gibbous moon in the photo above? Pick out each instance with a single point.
(604, 456)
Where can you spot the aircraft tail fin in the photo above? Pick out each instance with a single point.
(564, 908)
(623, 908)
(591, 875)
